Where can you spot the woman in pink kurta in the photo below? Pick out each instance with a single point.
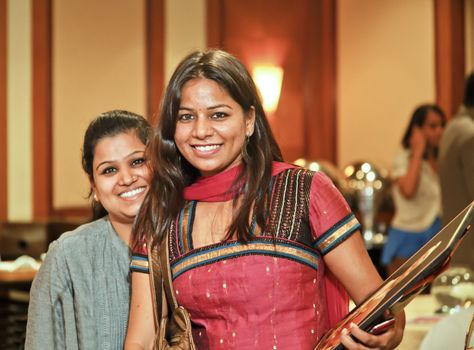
(261, 252)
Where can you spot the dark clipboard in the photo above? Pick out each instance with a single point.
(406, 282)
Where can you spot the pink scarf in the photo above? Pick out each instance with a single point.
(222, 186)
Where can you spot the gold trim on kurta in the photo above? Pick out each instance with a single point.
(236, 249)
(140, 263)
(339, 233)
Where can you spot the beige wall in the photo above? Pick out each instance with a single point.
(385, 68)
(469, 38)
(19, 110)
(98, 65)
(185, 30)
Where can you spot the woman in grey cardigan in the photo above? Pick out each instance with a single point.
(80, 296)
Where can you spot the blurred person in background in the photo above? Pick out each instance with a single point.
(456, 169)
(416, 190)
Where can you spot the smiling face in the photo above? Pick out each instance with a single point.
(211, 127)
(120, 176)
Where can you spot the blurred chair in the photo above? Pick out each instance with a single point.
(18, 239)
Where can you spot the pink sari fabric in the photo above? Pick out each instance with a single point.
(252, 302)
(222, 187)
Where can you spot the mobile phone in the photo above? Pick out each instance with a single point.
(382, 327)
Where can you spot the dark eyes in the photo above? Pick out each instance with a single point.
(109, 170)
(185, 117)
(134, 163)
(219, 115)
(214, 116)
(138, 161)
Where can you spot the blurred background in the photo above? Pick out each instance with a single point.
(351, 71)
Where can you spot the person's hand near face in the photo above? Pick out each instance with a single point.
(417, 141)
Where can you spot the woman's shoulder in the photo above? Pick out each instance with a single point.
(401, 159)
(82, 235)
(84, 244)
(402, 153)
(288, 168)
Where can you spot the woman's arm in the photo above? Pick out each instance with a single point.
(352, 266)
(408, 183)
(335, 230)
(45, 326)
(141, 323)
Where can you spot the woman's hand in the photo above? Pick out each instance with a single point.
(408, 183)
(417, 141)
(385, 341)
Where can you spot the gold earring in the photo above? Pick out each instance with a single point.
(95, 197)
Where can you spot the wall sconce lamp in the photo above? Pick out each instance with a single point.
(268, 80)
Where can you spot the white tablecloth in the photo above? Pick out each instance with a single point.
(420, 316)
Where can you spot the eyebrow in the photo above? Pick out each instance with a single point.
(208, 108)
(112, 161)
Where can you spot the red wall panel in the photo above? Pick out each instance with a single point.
(290, 35)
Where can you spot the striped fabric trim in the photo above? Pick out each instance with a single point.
(139, 263)
(337, 234)
(184, 227)
(288, 208)
(277, 248)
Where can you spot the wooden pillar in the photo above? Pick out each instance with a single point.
(450, 58)
(215, 12)
(320, 90)
(42, 110)
(302, 37)
(155, 56)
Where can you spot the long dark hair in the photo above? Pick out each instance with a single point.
(418, 118)
(109, 124)
(171, 172)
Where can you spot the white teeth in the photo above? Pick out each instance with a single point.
(132, 192)
(206, 148)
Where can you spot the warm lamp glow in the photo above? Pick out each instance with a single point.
(268, 80)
